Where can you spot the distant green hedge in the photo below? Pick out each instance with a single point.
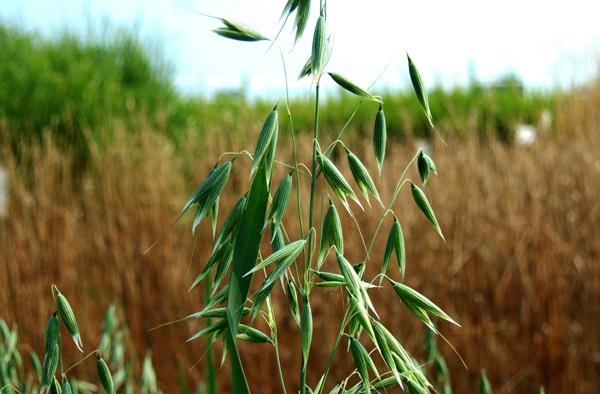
(75, 87)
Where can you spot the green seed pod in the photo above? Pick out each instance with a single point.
(277, 241)
(336, 181)
(424, 206)
(358, 355)
(379, 138)
(104, 375)
(281, 199)
(395, 244)
(331, 233)
(426, 166)
(252, 334)
(50, 364)
(352, 88)
(419, 88)
(293, 300)
(361, 176)
(55, 387)
(68, 317)
(239, 32)
(269, 129)
(52, 331)
(66, 386)
(306, 330)
(319, 48)
(484, 384)
(206, 203)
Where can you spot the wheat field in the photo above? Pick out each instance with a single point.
(519, 270)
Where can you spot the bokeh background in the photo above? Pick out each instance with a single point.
(111, 113)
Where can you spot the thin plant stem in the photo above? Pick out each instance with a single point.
(338, 339)
(273, 326)
(399, 185)
(294, 148)
(311, 234)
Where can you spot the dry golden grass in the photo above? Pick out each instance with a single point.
(519, 270)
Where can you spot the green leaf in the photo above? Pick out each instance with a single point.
(425, 166)
(352, 88)
(419, 88)
(379, 138)
(247, 242)
(425, 207)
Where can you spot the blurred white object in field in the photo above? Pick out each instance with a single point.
(3, 194)
(525, 134)
(423, 145)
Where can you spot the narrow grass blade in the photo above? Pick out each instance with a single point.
(423, 204)
(247, 242)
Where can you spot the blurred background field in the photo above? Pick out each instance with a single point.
(99, 151)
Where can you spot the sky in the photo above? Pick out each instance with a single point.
(546, 43)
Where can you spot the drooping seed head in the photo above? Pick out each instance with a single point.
(351, 87)
(104, 375)
(361, 176)
(425, 166)
(50, 364)
(423, 204)
(68, 317)
(55, 387)
(52, 331)
(379, 138)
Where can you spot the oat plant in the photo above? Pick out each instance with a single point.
(314, 259)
